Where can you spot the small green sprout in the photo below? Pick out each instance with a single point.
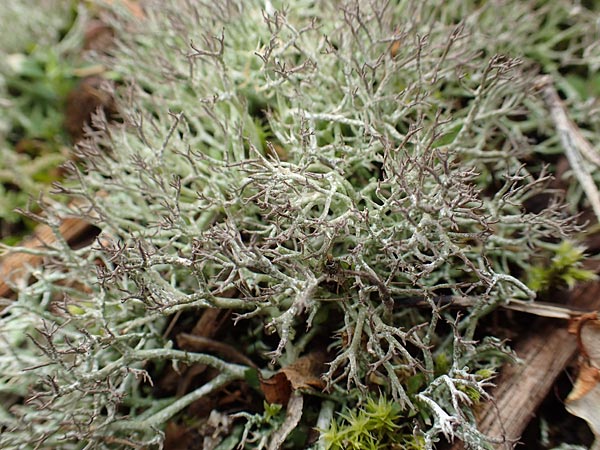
(271, 410)
(565, 268)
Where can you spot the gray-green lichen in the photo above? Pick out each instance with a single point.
(314, 167)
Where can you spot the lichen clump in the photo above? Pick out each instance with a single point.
(315, 168)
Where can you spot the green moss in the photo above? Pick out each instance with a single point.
(564, 269)
(375, 425)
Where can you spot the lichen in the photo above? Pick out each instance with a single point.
(316, 168)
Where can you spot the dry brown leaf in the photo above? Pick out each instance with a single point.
(304, 373)
(584, 399)
(588, 408)
(586, 381)
(277, 389)
(395, 48)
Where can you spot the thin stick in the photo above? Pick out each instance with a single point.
(574, 143)
(541, 309)
(543, 353)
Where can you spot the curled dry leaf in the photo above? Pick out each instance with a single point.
(584, 399)
(277, 389)
(586, 382)
(304, 373)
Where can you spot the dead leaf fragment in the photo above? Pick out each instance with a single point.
(395, 48)
(587, 381)
(587, 329)
(584, 399)
(588, 408)
(277, 389)
(304, 373)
